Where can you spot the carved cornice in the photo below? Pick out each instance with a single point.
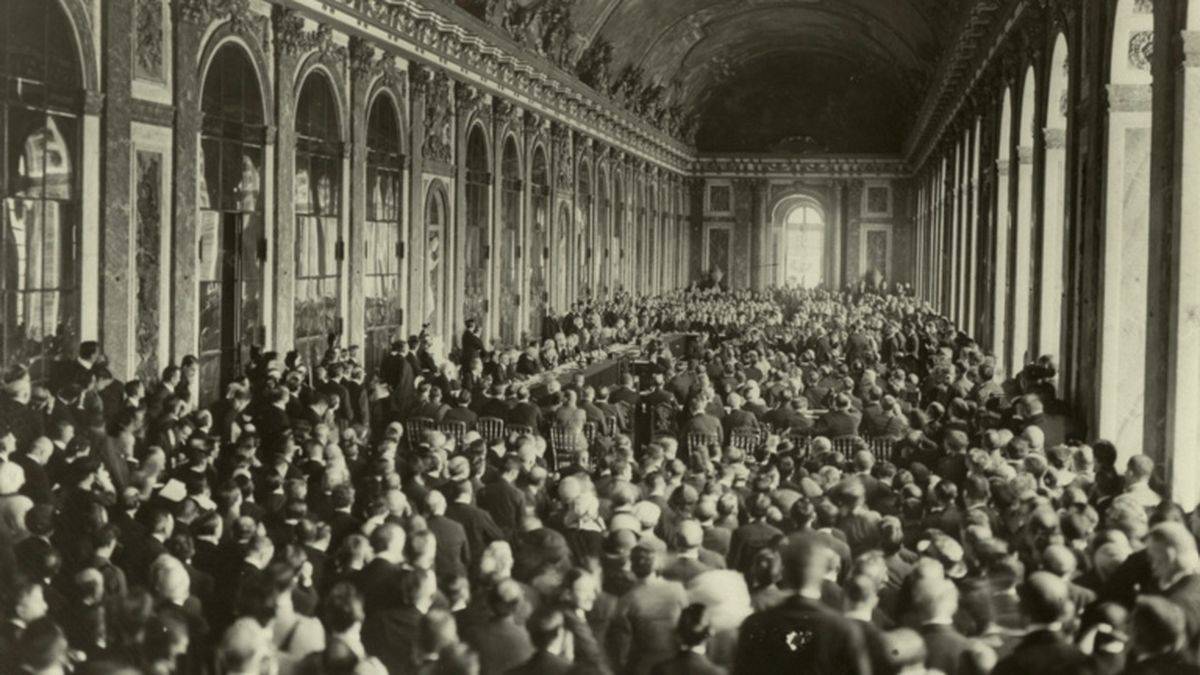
(439, 114)
(500, 63)
(889, 167)
(362, 57)
(290, 37)
(471, 103)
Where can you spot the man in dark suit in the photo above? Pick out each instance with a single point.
(693, 633)
(524, 411)
(453, 554)
(480, 529)
(754, 536)
(502, 644)
(936, 601)
(626, 393)
(1045, 603)
(547, 632)
(391, 634)
(33, 461)
(843, 420)
(379, 581)
(472, 344)
(802, 635)
(461, 412)
(503, 500)
(493, 403)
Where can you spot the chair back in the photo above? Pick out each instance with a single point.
(415, 428)
(454, 430)
(565, 446)
(882, 448)
(745, 439)
(846, 446)
(491, 428)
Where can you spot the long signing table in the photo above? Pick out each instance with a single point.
(605, 372)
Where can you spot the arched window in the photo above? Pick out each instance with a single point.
(804, 245)
(434, 301)
(318, 216)
(231, 247)
(475, 234)
(538, 243)
(1054, 204)
(40, 217)
(382, 283)
(510, 244)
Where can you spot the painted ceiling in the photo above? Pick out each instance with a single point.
(783, 75)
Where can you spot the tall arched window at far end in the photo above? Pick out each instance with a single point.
(804, 245)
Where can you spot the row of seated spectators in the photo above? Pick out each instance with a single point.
(304, 524)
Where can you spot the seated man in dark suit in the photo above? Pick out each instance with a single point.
(461, 412)
(524, 411)
(626, 393)
(843, 420)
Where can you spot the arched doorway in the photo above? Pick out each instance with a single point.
(509, 294)
(804, 241)
(382, 283)
(318, 217)
(231, 218)
(435, 302)
(40, 137)
(538, 243)
(475, 234)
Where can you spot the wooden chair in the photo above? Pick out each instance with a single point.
(591, 431)
(564, 446)
(454, 430)
(745, 439)
(882, 448)
(490, 428)
(700, 443)
(846, 446)
(519, 430)
(415, 429)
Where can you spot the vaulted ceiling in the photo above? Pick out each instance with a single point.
(784, 75)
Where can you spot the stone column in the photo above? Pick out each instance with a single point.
(1121, 411)
(1022, 258)
(117, 285)
(1183, 368)
(1000, 258)
(362, 57)
(1053, 225)
(190, 25)
(290, 42)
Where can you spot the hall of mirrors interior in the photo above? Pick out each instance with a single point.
(261, 174)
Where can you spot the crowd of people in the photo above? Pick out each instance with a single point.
(294, 527)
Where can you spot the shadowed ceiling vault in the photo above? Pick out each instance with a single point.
(840, 75)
